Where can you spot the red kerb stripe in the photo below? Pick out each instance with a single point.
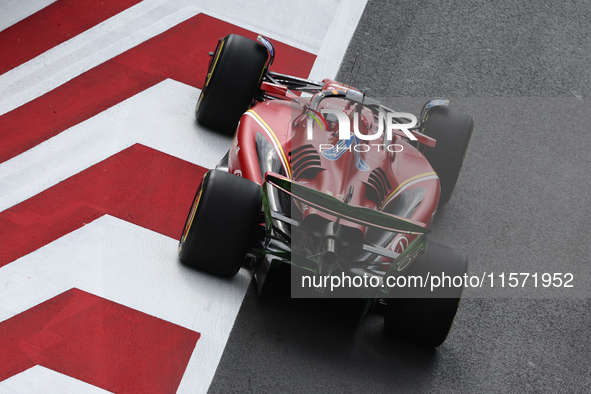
(98, 342)
(180, 53)
(140, 185)
(54, 24)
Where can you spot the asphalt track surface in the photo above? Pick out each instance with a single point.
(522, 204)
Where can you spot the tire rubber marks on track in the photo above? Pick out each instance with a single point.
(99, 342)
(180, 53)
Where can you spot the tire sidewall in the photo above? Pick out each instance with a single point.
(452, 130)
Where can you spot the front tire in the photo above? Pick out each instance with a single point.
(452, 130)
(220, 224)
(231, 84)
(427, 321)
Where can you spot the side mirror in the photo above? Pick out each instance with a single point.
(436, 102)
(270, 48)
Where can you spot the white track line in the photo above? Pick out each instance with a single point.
(87, 50)
(161, 117)
(323, 28)
(13, 11)
(138, 268)
(337, 39)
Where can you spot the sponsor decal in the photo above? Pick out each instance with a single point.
(334, 152)
(400, 244)
(401, 265)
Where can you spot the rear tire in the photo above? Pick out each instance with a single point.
(427, 321)
(231, 84)
(452, 130)
(218, 230)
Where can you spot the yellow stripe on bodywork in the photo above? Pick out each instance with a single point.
(277, 143)
(411, 179)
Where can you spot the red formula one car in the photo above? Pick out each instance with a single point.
(334, 183)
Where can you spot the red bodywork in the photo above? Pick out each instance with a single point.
(282, 124)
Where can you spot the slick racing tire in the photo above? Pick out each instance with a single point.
(427, 321)
(452, 130)
(218, 230)
(231, 83)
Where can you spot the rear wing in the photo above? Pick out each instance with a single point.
(332, 206)
(339, 209)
